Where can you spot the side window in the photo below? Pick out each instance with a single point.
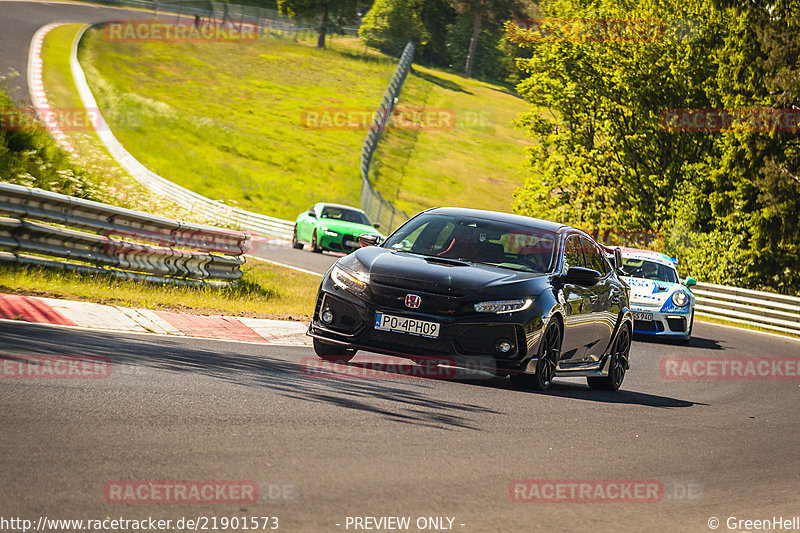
(594, 257)
(573, 255)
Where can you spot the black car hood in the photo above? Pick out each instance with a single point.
(416, 272)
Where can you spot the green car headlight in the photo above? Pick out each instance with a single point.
(503, 306)
(680, 298)
(329, 232)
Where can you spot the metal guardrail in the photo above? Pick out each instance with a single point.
(205, 207)
(766, 310)
(377, 208)
(161, 248)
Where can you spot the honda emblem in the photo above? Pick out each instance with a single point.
(413, 301)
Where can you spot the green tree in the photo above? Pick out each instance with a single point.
(329, 13)
(481, 12)
(391, 23)
(727, 200)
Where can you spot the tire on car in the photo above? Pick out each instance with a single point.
(295, 243)
(334, 353)
(617, 364)
(315, 244)
(546, 364)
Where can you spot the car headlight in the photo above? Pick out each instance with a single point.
(503, 306)
(680, 298)
(330, 232)
(352, 281)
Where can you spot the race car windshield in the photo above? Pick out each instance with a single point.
(642, 268)
(480, 241)
(346, 215)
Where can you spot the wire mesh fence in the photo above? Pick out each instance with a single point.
(378, 208)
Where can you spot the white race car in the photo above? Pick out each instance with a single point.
(661, 303)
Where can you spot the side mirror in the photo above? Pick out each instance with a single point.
(311, 213)
(690, 281)
(582, 276)
(618, 259)
(368, 239)
(376, 225)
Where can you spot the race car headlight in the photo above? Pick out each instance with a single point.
(680, 298)
(330, 232)
(503, 306)
(352, 281)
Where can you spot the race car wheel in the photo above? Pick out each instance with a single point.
(617, 365)
(333, 352)
(315, 244)
(295, 243)
(546, 366)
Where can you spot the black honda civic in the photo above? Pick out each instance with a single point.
(505, 293)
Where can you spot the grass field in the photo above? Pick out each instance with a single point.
(265, 291)
(62, 95)
(476, 163)
(226, 119)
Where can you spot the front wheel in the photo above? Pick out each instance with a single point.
(295, 243)
(315, 244)
(335, 353)
(546, 366)
(617, 365)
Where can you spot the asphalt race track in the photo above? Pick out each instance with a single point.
(20, 20)
(383, 444)
(189, 409)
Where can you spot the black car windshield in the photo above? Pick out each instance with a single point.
(477, 240)
(642, 268)
(346, 215)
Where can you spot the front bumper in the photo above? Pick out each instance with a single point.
(340, 243)
(463, 341)
(675, 324)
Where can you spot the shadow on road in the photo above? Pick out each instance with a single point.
(133, 356)
(695, 342)
(560, 388)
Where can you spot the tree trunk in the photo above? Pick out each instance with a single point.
(323, 29)
(473, 44)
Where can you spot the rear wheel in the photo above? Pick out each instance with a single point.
(546, 366)
(617, 364)
(295, 243)
(315, 244)
(333, 352)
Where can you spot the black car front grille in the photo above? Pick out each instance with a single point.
(676, 323)
(392, 297)
(401, 342)
(481, 339)
(346, 317)
(647, 325)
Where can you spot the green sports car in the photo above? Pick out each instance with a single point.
(331, 227)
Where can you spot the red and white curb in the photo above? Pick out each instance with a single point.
(137, 320)
(37, 92)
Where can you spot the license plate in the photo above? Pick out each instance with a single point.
(643, 316)
(351, 244)
(412, 326)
